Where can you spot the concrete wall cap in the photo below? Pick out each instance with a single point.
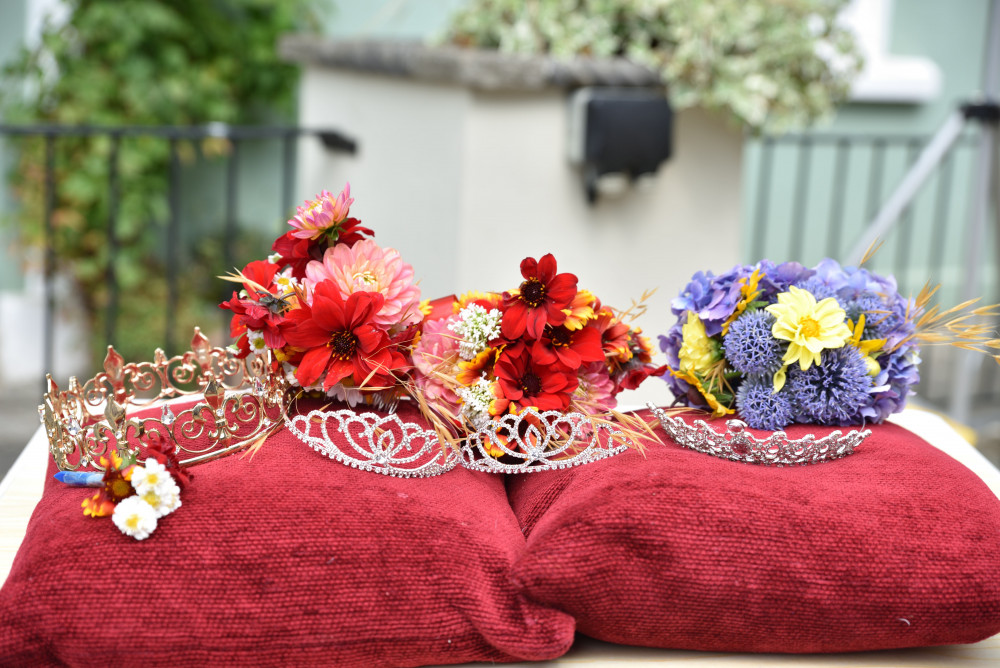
(479, 69)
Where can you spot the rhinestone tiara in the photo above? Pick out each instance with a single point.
(534, 441)
(240, 402)
(370, 442)
(777, 449)
(525, 443)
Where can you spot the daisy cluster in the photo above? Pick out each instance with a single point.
(546, 345)
(781, 343)
(337, 311)
(137, 496)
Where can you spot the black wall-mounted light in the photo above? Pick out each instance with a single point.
(619, 131)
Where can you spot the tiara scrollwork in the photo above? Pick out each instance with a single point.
(240, 402)
(370, 442)
(738, 445)
(533, 441)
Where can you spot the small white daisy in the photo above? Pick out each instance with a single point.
(256, 340)
(152, 475)
(135, 518)
(164, 499)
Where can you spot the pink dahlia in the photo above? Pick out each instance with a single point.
(322, 213)
(596, 390)
(367, 267)
(434, 356)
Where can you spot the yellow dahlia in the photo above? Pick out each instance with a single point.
(809, 326)
(698, 353)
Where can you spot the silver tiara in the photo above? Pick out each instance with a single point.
(533, 441)
(524, 443)
(740, 446)
(371, 442)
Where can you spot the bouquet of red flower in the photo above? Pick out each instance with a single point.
(337, 311)
(546, 345)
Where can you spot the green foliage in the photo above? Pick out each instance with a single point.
(758, 61)
(141, 62)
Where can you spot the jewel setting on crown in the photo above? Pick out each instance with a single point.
(240, 402)
(738, 445)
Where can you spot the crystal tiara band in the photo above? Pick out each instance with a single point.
(370, 442)
(738, 445)
(524, 443)
(240, 402)
(533, 441)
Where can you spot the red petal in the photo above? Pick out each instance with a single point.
(568, 357)
(546, 268)
(536, 319)
(587, 343)
(328, 307)
(561, 289)
(313, 365)
(338, 371)
(529, 267)
(542, 353)
(513, 323)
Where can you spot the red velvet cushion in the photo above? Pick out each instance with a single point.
(897, 545)
(285, 559)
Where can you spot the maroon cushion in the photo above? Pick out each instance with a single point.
(897, 545)
(285, 559)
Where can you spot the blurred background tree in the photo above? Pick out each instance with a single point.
(141, 62)
(760, 62)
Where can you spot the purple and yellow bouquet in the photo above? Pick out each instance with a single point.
(781, 343)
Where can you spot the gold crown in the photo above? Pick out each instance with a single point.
(241, 401)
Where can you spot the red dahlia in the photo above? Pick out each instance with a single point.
(260, 310)
(524, 381)
(539, 301)
(341, 340)
(568, 348)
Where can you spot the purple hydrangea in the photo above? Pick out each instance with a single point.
(750, 348)
(893, 384)
(762, 408)
(778, 278)
(712, 298)
(833, 392)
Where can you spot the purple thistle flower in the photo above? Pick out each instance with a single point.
(749, 346)
(833, 392)
(762, 408)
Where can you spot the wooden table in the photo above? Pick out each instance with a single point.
(21, 489)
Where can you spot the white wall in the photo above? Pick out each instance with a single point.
(466, 184)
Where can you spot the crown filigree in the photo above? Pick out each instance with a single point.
(739, 445)
(532, 441)
(370, 442)
(240, 402)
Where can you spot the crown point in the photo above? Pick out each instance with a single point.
(199, 342)
(53, 387)
(214, 394)
(114, 412)
(114, 365)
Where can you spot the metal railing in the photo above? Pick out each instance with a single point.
(237, 136)
(811, 196)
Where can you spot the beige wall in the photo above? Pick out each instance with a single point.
(466, 184)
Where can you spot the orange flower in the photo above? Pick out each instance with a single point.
(580, 310)
(472, 371)
(117, 486)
